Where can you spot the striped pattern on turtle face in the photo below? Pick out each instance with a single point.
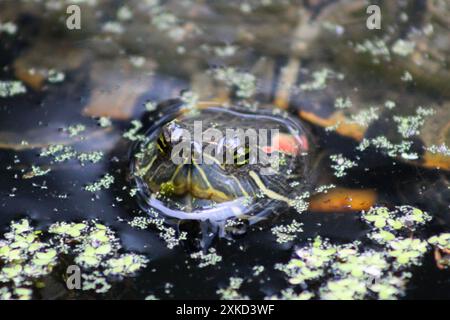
(217, 156)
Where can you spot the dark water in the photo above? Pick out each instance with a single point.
(96, 66)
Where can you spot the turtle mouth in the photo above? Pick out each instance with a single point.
(191, 195)
(201, 182)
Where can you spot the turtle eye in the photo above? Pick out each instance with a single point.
(162, 144)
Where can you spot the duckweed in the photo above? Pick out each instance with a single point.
(376, 48)
(352, 271)
(320, 79)
(343, 289)
(341, 164)
(168, 234)
(245, 83)
(442, 241)
(403, 48)
(300, 204)
(231, 292)
(407, 77)
(11, 88)
(8, 27)
(388, 224)
(290, 294)
(55, 76)
(104, 122)
(441, 149)
(132, 133)
(442, 244)
(309, 262)
(287, 233)
(36, 172)
(26, 257)
(343, 103)
(61, 153)
(104, 183)
(75, 130)
(365, 117)
(411, 125)
(210, 258)
(394, 150)
(407, 252)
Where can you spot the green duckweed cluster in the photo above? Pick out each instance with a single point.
(320, 78)
(54, 76)
(9, 28)
(245, 83)
(442, 243)
(168, 234)
(343, 103)
(341, 164)
(407, 127)
(74, 130)
(232, 291)
(36, 171)
(394, 150)
(365, 117)
(287, 233)
(407, 252)
(379, 269)
(347, 272)
(439, 149)
(389, 224)
(301, 203)
(376, 48)
(61, 153)
(166, 22)
(11, 88)
(103, 183)
(403, 48)
(410, 126)
(210, 258)
(104, 122)
(28, 255)
(132, 133)
(290, 294)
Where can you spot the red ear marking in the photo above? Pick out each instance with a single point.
(288, 144)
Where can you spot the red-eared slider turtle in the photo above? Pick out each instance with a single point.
(216, 163)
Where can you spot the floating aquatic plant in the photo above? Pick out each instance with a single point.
(245, 83)
(11, 88)
(287, 233)
(168, 234)
(28, 255)
(231, 292)
(210, 258)
(442, 241)
(407, 252)
(351, 271)
(103, 183)
(388, 224)
(341, 164)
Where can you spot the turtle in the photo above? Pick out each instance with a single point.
(253, 166)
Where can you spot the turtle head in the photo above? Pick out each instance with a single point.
(191, 170)
(181, 165)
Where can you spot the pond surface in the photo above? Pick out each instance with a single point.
(374, 104)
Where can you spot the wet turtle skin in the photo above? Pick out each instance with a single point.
(247, 173)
